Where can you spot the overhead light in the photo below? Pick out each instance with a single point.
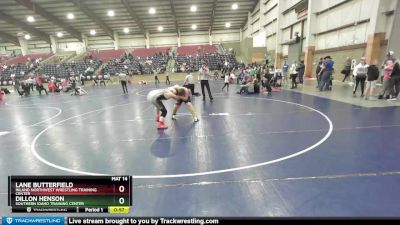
(30, 19)
(194, 27)
(93, 32)
(126, 30)
(160, 28)
(193, 8)
(110, 13)
(27, 36)
(70, 16)
(227, 25)
(60, 34)
(235, 6)
(152, 10)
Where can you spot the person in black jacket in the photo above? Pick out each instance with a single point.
(346, 69)
(266, 82)
(318, 71)
(395, 82)
(372, 77)
(300, 70)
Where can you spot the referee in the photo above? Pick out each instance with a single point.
(204, 73)
(123, 79)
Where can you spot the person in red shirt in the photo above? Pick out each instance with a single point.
(1, 95)
(38, 79)
(39, 85)
(52, 86)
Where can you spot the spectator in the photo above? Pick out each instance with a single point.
(156, 80)
(26, 88)
(167, 81)
(285, 72)
(300, 70)
(82, 78)
(360, 74)
(52, 86)
(395, 81)
(1, 95)
(347, 68)
(372, 77)
(389, 57)
(266, 82)
(387, 72)
(250, 87)
(241, 76)
(15, 84)
(39, 85)
(318, 71)
(327, 73)
(226, 81)
(30, 82)
(293, 75)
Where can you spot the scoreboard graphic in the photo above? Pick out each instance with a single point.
(75, 194)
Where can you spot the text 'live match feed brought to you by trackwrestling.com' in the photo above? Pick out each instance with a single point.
(105, 200)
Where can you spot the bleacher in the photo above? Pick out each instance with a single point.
(24, 59)
(148, 52)
(58, 71)
(64, 70)
(192, 57)
(105, 55)
(137, 65)
(13, 71)
(138, 61)
(193, 50)
(121, 67)
(214, 61)
(4, 58)
(141, 61)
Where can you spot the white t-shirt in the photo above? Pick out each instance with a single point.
(293, 69)
(204, 73)
(360, 69)
(122, 77)
(227, 78)
(189, 79)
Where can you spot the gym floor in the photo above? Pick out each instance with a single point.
(285, 154)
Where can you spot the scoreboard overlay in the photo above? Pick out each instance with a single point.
(97, 194)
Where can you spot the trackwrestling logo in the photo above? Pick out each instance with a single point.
(33, 220)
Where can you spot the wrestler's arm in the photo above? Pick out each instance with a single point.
(187, 94)
(170, 94)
